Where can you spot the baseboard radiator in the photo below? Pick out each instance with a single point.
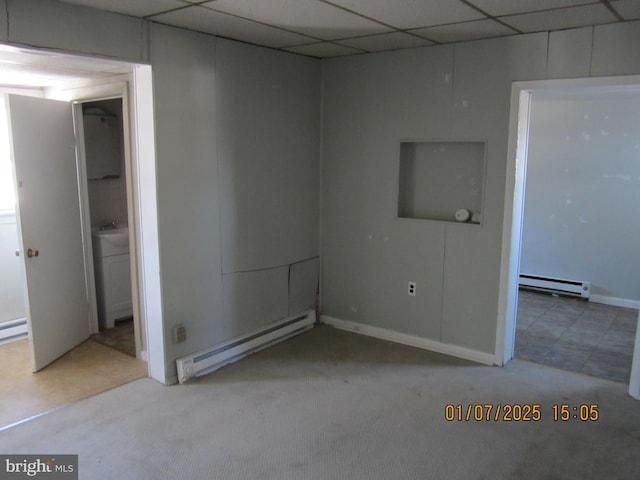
(558, 286)
(13, 329)
(208, 360)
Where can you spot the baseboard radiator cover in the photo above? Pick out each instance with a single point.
(211, 359)
(13, 329)
(558, 286)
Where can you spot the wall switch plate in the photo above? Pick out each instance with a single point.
(412, 289)
(179, 334)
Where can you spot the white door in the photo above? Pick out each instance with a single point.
(44, 155)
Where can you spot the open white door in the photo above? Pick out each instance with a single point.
(43, 149)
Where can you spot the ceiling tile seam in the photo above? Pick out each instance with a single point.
(368, 35)
(403, 30)
(265, 24)
(217, 35)
(564, 29)
(362, 50)
(410, 31)
(585, 3)
(555, 10)
(171, 10)
(353, 12)
(489, 16)
(311, 37)
(306, 55)
(610, 7)
(334, 42)
(422, 37)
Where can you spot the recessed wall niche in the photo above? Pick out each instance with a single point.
(442, 180)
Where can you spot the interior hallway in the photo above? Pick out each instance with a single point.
(573, 334)
(86, 370)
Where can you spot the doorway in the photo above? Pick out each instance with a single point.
(579, 225)
(522, 93)
(57, 313)
(65, 76)
(106, 160)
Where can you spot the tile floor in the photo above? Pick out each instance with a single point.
(576, 335)
(121, 337)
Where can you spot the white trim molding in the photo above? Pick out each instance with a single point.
(615, 301)
(410, 340)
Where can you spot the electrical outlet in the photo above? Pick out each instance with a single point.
(179, 334)
(412, 289)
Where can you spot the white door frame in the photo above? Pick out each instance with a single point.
(514, 202)
(143, 215)
(92, 94)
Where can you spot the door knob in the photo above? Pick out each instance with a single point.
(32, 253)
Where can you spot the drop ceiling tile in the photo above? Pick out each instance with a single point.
(324, 50)
(137, 8)
(310, 17)
(461, 32)
(498, 8)
(629, 9)
(385, 41)
(405, 14)
(583, 16)
(206, 20)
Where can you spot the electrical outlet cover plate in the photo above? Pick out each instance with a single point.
(412, 289)
(179, 334)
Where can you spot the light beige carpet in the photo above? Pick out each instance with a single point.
(331, 405)
(86, 370)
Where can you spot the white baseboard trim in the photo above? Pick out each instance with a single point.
(615, 301)
(411, 340)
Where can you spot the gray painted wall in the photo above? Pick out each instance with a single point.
(237, 135)
(583, 191)
(370, 103)
(72, 28)
(237, 144)
(452, 92)
(269, 146)
(184, 72)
